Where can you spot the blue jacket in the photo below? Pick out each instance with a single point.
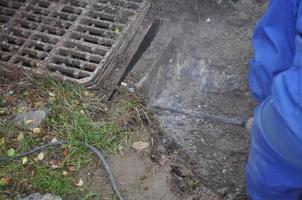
(274, 169)
(276, 69)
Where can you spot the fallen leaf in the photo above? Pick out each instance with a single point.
(71, 168)
(140, 145)
(51, 94)
(24, 160)
(2, 111)
(11, 152)
(54, 140)
(79, 183)
(2, 141)
(30, 121)
(20, 137)
(36, 130)
(117, 30)
(51, 99)
(54, 164)
(5, 180)
(65, 152)
(64, 173)
(86, 93)
(40, 156)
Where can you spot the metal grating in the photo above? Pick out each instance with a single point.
(77, 39)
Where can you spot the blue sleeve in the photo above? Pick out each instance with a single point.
(287, 87)
(273, 44)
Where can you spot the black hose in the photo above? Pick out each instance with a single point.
(98, 153)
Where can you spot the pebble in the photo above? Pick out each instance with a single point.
(34, 117)
(38, 196)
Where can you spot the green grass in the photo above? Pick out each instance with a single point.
(71, 117)
(51, 181)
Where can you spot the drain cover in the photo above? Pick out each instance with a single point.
(78, 40)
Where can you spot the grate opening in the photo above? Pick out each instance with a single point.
(40, 3)
(7, 11)
(51, 30)
(59, 60)
(72, 10)
(101, 16)
(97, 32)
(91, 39)
(75, 3)
(77, 74)
(25, 62)
(125, 4)
(37, 10)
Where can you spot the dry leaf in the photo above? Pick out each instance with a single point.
(140, 145)
(20, 137)
(65, 152)
(55, 164)
(5, 180)
(40, 156)
(79, 183)
(36, 130)
(54, 140)
(2, 111)
(71, 168)
(24, 160)
(51, 94)
(87, 93)
(11, 152)
(30, 121)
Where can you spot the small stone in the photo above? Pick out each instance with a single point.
(54, 140)
(32, 119)
(79, 183)
(139, 146)
(36, 130)
(40, 156)
(38, 196)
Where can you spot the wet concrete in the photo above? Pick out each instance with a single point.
(199, 61)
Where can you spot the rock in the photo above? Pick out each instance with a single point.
(38, 196)
(139, 146)
(32, 119)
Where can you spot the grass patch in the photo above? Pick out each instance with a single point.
(51, 181)
(73, 111)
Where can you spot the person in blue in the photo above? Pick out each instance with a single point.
(274, 168)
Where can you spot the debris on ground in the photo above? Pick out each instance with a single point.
(32, 119)
(38, 196)
(140, 146)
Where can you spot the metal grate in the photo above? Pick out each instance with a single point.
(77, 39)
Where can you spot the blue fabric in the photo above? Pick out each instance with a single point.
(274, 169)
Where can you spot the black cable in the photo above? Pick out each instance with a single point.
(91, 148)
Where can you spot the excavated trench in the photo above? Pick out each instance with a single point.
(199, 61)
